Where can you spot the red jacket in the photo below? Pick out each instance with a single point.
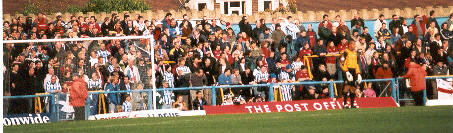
(331, 59)
(300, 74)
(217, 54)
(78, 93)
(422, 26)
(416, 74)
(266, 52)
(342, 47)
(383, 74)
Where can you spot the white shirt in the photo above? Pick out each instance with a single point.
(378, 25)
(133, 73)
(48, 78)
(93, 61)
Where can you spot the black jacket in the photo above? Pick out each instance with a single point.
(196, 105)
(245, 27)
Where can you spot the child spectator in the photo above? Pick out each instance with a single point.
(179, 104)
(369, 92)
(127, 106)
(228, 101)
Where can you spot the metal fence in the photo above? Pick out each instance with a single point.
(55, 111)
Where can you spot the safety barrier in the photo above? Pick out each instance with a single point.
(52, 105)
(393, 81)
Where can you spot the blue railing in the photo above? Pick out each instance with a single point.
(394, 85)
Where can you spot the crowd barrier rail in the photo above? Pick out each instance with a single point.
(394, 85)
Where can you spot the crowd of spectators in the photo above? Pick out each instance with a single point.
(204, 54)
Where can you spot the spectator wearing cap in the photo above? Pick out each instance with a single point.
(78, 94)
(311, 93)
(418, 26)
(439, 69)
(277, 36)
(286, 76)
(142, 67)
(227, 27)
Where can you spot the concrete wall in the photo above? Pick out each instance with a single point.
(303, 16)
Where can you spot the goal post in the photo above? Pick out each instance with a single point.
(149, 37)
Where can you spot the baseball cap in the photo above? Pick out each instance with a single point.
(288, 66)
(258, 95)
(277, 25)
(228, 23)
(75, 74)
(273, 75)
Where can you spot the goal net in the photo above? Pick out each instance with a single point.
(93, 59)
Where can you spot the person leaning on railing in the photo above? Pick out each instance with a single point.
(416, 74)
(78, 95)
(52, 87)
(113, 98)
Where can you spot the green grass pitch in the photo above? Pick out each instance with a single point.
(402, 119)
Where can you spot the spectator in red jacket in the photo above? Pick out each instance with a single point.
(416, 74)
(78, 95)
(384, 71)
(418, 26)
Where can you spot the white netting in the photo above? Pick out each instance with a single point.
(135, 47)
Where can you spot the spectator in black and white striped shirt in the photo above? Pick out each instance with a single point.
(95, 83)
(52, 86)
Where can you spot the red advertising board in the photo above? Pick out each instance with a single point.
(300, 105)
